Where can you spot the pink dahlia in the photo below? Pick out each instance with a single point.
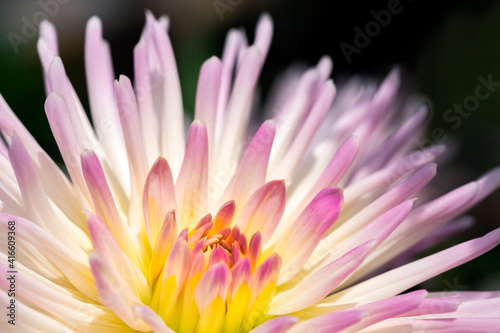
(289, 231)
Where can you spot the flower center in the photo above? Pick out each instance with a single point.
(213, 279)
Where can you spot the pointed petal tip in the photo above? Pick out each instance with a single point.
(94, 23)
(46, 27)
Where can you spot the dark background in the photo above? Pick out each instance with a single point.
(441, 46)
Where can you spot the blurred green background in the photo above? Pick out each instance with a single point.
(442, 48)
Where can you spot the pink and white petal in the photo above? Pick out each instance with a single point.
(329, 323)
(55, 182)
(388, 308)
(264, 35)
(158, 198)
(421, 222)
(60, 84)
(49, 35)
(387, 201)
(263, 211)
(171, 110)
(115, 294)
(307, 231)
(104, 203)
(73, 265)
(394, 145)
(145, 84)
(100, 77)
(448, 325)
(433, 306)
(37, 205)
(290, 115)
(207, 95)
(324, 67)
(70, 145)
(239, 107)
(377, 182)
(339, 165)
(240, 273)
(378, 230)
(266, 273)
(380, 105)
(192, 185)
(404, 277)
(47, 47)
(155, 322)
(129, 117)
(178, 263)
(481, 308)
(252, 168)
(34, 321)
(287, 166)
(467, 296)
(276, 325)
(113, 256)
(235, 41)
(214, 283)
(75, 313)
(254, 250)
(317, 286)
(163, 244)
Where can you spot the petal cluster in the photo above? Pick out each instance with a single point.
(293, 226)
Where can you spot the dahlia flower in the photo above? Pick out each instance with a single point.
(292, 230)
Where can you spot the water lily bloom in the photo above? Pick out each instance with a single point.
(288, 227)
